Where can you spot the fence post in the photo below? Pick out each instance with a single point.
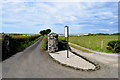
(101, 44)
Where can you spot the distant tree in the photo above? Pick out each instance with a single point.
(42, 33)
(89, 34)
(45, 32)
(115, 34)
(48, 31)
(102, 34)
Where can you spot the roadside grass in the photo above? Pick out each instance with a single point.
(44, 44)
(80, 48)
(97, 43)
(63, 38)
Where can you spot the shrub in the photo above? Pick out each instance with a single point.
(62, 44)
(114, 46)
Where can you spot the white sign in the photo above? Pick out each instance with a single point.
(66, 31)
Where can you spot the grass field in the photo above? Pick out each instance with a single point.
(97, 43)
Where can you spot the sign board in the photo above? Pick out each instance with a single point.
(66, 31)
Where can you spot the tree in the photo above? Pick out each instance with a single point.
(42, 32)
(89, 34)
(116, 34)
(45, 32)
(48, 31)
(102, 34)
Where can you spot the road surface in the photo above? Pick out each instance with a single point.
(34, 63)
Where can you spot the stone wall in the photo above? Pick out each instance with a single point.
(52, 42)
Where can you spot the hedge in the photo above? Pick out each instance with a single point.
(16, 44)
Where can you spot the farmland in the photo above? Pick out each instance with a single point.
(97, 43)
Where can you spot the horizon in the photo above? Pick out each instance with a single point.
(51, 32)
(84, 18)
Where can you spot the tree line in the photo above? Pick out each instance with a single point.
(90, 34)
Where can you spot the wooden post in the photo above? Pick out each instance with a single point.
(101, 44)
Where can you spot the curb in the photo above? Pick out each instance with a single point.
(97, 66)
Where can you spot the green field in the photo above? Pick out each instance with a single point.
(97, 43)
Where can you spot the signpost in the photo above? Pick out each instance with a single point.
(67, 38)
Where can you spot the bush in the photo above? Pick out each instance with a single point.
(62, 44)
(114, 46)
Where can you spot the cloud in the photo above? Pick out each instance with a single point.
(62, 0)
(104, 30)
(111, 22)
(55, 15)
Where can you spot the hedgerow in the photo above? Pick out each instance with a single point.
(16, 44)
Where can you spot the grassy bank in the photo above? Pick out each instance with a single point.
(97, 43)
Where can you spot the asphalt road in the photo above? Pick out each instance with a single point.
(34, 63)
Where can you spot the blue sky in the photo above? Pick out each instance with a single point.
(81, 17)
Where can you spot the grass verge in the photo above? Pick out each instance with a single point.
(44, 44)
(80, 48)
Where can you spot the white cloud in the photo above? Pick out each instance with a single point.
(115, 16)
(76, 25)
(104, 29)
(48, 14)
(110, 22)
(62, 0)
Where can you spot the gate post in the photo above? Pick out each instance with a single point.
(52, 42)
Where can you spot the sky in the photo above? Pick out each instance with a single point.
(81, 17)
